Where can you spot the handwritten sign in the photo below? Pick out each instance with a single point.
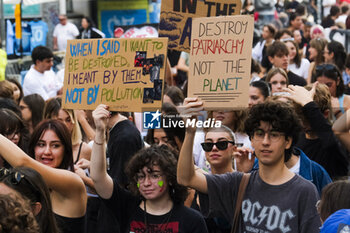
(126, 74)
(220, 61)
(176, 18)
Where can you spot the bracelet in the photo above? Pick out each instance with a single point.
(97, 143)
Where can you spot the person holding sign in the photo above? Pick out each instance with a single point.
(275, 200)
(155, 203)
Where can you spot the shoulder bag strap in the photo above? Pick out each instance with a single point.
(242, 187)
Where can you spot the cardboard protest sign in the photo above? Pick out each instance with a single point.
(126, 74)
(220, 61)
(176, 18)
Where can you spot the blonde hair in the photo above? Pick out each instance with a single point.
(239, 118)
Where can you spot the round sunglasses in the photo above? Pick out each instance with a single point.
(221, 145)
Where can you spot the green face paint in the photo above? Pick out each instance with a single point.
(138, 184)
(160, 183)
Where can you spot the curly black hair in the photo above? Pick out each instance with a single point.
(163, 157)
(282, 118)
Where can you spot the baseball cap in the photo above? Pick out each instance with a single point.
(338, 222)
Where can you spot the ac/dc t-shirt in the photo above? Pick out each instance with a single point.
(285, 208)
(133, 219)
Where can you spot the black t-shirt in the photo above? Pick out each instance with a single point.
(289, 207)
(325, 150)
(70, 225)
(132, 218)
(296, 79)
(327, 22)
(124, 141)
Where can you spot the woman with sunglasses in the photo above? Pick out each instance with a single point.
(29, 184)
(51, 147)
(330, 75)
(155, 200)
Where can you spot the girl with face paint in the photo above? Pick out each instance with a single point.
(154, 202)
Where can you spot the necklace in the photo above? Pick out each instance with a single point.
(161, 226)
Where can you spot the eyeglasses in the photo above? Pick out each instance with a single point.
(273, 135)
(318, 206)
(153, 177)
(221, 145)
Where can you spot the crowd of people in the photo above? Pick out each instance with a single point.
(280, 165)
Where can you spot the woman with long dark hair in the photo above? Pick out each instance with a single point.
(51, 147)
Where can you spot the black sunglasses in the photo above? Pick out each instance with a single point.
(221, 145)
(326, 67)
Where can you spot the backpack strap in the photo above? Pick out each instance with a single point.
(242, 187)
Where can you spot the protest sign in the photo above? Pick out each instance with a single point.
(126, 74)
(176, 18)
(220, 61)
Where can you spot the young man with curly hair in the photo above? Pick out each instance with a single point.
(276, 200)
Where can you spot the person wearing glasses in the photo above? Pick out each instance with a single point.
(154, 201)
(29, 184)
(276, 200)
(330, 75)
(51, 147)
(63, 32)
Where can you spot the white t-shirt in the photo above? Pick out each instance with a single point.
(303, 70)
(327, 4)
(44, 84)
(65, 33)
(341, 19)
(296, 168)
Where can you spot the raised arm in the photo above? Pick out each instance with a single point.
(66, 183)
(88, 130)
(186, 173)
(341, 129)
(98, 170)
